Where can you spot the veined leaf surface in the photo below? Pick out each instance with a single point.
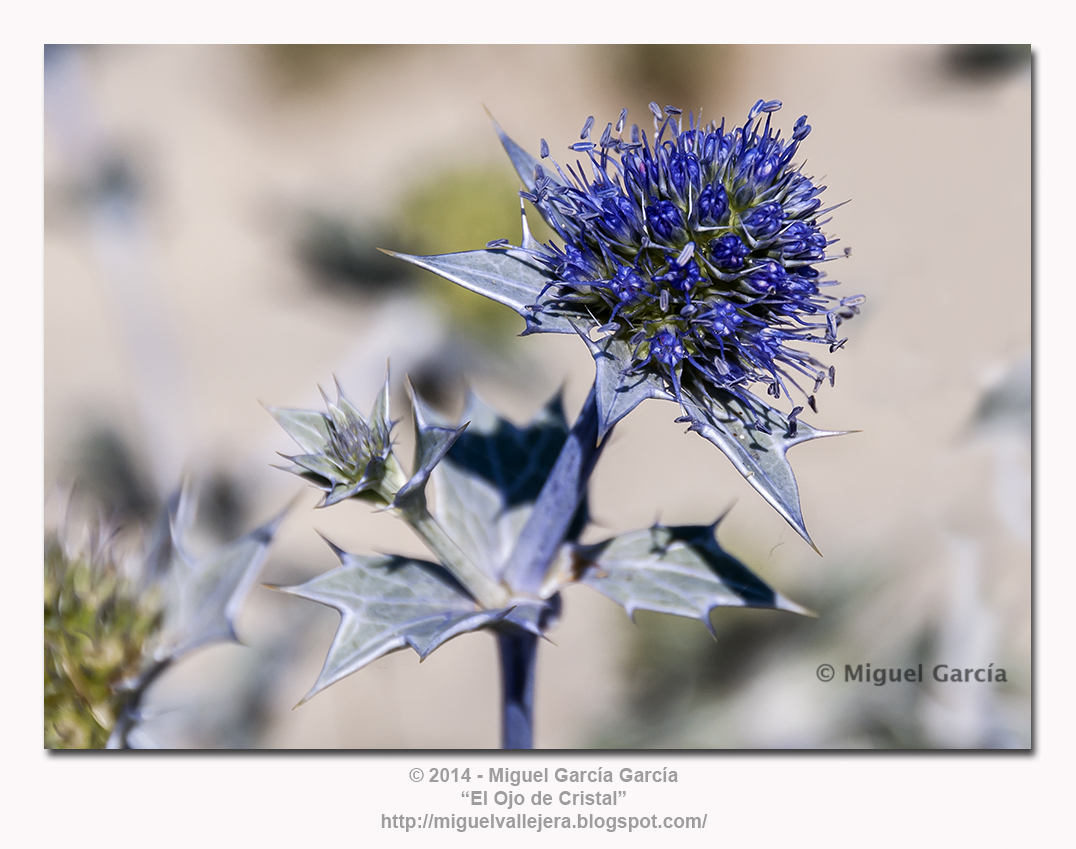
(617, 393)
(506, 276)
(679, 570)
(732, 426)
(387, 603)
(491, 477)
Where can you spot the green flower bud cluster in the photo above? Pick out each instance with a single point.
(99, 633)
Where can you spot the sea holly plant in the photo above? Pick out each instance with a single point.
(689, 264)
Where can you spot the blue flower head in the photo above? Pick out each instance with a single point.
(698, 247)
(690, 263)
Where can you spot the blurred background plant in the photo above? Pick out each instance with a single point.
(99, 630)
(123, 604)
(210, 219)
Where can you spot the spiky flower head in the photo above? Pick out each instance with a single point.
(690, 265)
(346, 455)
(699, 249)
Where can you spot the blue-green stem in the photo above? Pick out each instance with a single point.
(131, 712)
(518, 651)
(557, 503)
(486, 591)
(526, 568)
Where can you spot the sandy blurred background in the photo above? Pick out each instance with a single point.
(210, 219)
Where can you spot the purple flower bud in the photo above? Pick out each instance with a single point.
(664, 219)
(627, 284)
(724, 319)
(713, 204)
(666, 348)
(764, 220)
(728, 252)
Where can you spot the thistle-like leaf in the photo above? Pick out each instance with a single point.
(509, 277)
(526, 165)
(387, 603)
(208, 591)
(528, 242)
(308, 428)
(432, 442)
(616, 392)
(491, 476)
(534, 615)
(679, 570)
(523, 162)
(733, 426)
(203, 598)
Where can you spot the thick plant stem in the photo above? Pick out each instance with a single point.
(518, 651)
(556, 505)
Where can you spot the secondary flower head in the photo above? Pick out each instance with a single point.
(699, 248)
(345, 455)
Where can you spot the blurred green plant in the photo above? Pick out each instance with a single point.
(444, 213)
(99, 629)
(113, 626)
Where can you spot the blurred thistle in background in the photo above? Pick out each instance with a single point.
(210, 219)
(98, 625)
(114, 624)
